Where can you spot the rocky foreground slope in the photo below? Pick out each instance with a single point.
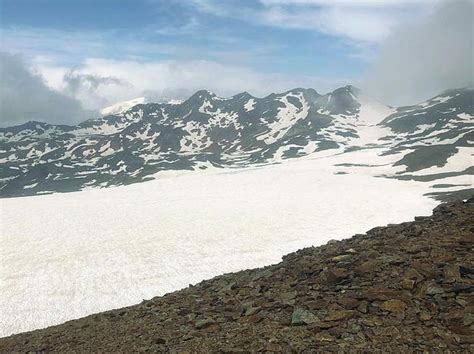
(400, 288)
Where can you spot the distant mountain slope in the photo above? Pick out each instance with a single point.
(433, 131)
(210, 131)
(406, 287)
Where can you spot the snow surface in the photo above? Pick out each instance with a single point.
(372, 111)
(65, 256)
(121, 107)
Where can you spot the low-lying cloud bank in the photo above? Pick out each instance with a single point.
(25, 96)
(426, 58)
(69, 96)
(160, 81)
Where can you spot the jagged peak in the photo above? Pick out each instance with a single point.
(346, 89)
(203, 94)
(242, 95)
(31, 124)
(34, 123)
(304, 91)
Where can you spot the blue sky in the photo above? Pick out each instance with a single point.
(180, 30)
(102, 51)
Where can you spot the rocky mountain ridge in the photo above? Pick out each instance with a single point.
(403, 288)
(208, 131)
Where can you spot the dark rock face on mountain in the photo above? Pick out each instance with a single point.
(206, 131)
(401, 288)
(434, 130)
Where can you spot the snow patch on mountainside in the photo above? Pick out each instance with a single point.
(250, 105)
(286, 117)
(174, 102)
(372, 111)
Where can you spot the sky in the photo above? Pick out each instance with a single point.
(75, 57)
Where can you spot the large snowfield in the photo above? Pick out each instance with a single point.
(65, 256)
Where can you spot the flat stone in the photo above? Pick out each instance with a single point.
(394, 305)
(407, 284)
(323, 337)
(303, 317)
(332, 242)
(348, 302)
(379, 294)
(425, 316)
(367, 267)
(363, 306)
(273, 347)
(468, 319)
(433, 289)
(287, 298)
(451, 273)
(335, 275)
(341, 258)
(339, 315)
(413, 274)
(159, 341)
(424, 268)
(200, 324)
(251, 311)
(372, 321)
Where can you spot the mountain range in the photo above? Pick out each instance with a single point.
(133, 141)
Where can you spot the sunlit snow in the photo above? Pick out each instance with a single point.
(121, 107)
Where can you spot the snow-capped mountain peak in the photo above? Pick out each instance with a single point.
(122, 106)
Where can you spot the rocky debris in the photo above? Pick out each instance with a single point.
(303, 317)
(403, 288)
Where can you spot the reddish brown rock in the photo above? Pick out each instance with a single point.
(339, 315)
(407, 284)
(334, 275)
(348, 302)
(394, 305)
(452, 273)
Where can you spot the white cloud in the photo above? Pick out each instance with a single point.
(353, 20)
(359, 24)
(25, 96)
(164, 80)
(426, 58)
(361, 3)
